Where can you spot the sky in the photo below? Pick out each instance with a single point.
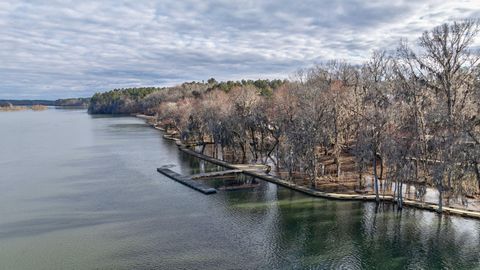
(59, 49)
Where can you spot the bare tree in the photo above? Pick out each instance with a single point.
(447, 67)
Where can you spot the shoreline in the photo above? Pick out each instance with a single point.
(18, 108)
(315, 193)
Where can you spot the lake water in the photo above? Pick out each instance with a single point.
(82, 192)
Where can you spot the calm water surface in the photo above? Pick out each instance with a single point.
(82, 192)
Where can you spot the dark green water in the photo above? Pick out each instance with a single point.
(81, 192)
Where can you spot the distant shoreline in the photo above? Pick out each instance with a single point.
(67, 102)
(12, 108)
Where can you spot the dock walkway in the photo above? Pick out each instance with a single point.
(338, 196)
(187, 181)
(215, 174)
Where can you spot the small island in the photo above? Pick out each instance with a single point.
(8, 107)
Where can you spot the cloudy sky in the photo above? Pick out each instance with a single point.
(56, 49)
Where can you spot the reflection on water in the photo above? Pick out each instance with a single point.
(82, 192)
(234, 182)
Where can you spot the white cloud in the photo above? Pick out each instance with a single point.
(51, 49)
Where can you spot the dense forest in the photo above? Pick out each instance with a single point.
(146, 99)
(72, 102)
(410, 116)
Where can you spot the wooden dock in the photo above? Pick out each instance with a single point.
(338, 196)
(215, 174)
(187, 181)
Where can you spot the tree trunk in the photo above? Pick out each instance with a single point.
(416, 170)
(222, 151)
(360, 177)
(244, 152)
(337, 162)
(400, 195)
(449, 183)
(477, 172)
(381, 168)
(254, 144)
(440, 198)
(277, 156)
(271, 150)
(395, 197)
(375, 178)
(262, 145)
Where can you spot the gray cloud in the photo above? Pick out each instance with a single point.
(52, 49)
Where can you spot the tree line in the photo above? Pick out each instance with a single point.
(146, 99)
(407, 116)
(77, 102)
